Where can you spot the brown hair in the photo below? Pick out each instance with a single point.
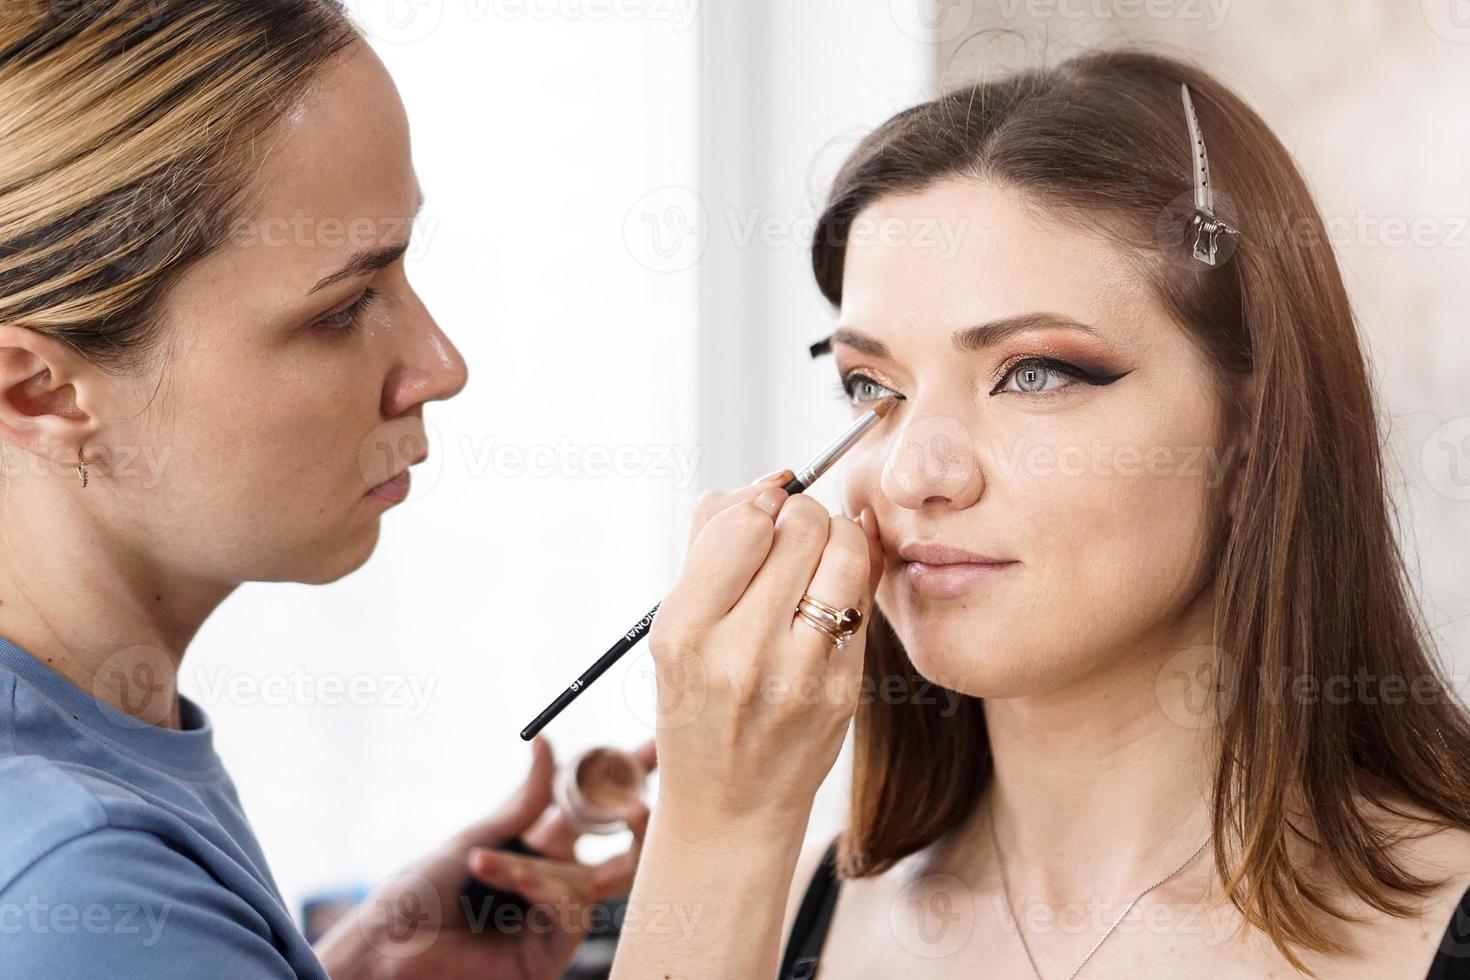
(1308, 577)
(131, 135)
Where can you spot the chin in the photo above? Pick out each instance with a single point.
(323, 562)
(961, 655)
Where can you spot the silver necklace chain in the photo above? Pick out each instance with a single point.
(1006, 889)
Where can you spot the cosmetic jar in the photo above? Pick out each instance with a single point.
(596, 789)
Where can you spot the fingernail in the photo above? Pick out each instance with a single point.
(869, 521)
(771, 500)
(782, 475)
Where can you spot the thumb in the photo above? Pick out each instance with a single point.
(519, 812)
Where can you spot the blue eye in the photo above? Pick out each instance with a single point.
(1035, 375)
(863, 390)
(1032, 375)
(347, 320)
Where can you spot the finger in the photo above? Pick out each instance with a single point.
(840, 580)
(727, 554)
(522, 809)
(800, 535)
(637, 821)
(868, 521)
(845, 672)
(711, 503)
(535, 879)
(553, 836)
(647, 755)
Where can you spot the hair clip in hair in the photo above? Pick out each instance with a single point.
(1205, 228)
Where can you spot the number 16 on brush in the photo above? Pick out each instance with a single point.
(804, 478)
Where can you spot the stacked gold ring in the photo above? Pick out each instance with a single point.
(839, 624)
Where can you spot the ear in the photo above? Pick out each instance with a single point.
(1239, 423)
(47, 392)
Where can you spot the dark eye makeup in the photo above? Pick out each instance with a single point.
(860, 388)
(1062, 368)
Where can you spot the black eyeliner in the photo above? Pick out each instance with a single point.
(1061, 367)
(846, 383)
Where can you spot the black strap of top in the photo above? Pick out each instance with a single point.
(1452, 962)
(809, 931)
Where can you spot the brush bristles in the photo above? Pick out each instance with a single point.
(886, 405)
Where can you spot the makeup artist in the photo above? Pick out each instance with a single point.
(141, 142)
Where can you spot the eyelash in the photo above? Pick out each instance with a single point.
(846, 386)
(850, 381)
(347, 320)
(1053, 365)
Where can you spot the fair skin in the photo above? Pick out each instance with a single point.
(1099, 788)
(1095, 765)
(265, 429)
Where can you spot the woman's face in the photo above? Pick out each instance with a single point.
(1088, 472)
(277, 410)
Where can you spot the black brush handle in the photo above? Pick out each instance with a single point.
(625, 643)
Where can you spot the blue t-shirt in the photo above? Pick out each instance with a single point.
(123, 848)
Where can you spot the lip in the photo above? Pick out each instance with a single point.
(944, 572)
(943, 554)
(392, 490)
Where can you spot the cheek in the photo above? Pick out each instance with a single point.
(265, 443)
(1108, 512)
(863, 470)
(1117, 520)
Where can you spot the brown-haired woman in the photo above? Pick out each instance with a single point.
(1133, 510)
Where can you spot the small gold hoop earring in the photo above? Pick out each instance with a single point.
(82, 467)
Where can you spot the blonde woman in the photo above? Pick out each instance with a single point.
(150, 153)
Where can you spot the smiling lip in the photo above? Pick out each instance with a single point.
(393, 490)
(942, 572)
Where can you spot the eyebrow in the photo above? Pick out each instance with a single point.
(368, 260)
(970, 339)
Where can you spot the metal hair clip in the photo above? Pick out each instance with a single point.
(1204, 227)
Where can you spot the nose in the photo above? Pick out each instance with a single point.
(429, 368)
(932, 459)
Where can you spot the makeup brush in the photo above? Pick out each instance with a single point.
(803, 479)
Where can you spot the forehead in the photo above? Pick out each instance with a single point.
(964, 252)
(336, 176)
